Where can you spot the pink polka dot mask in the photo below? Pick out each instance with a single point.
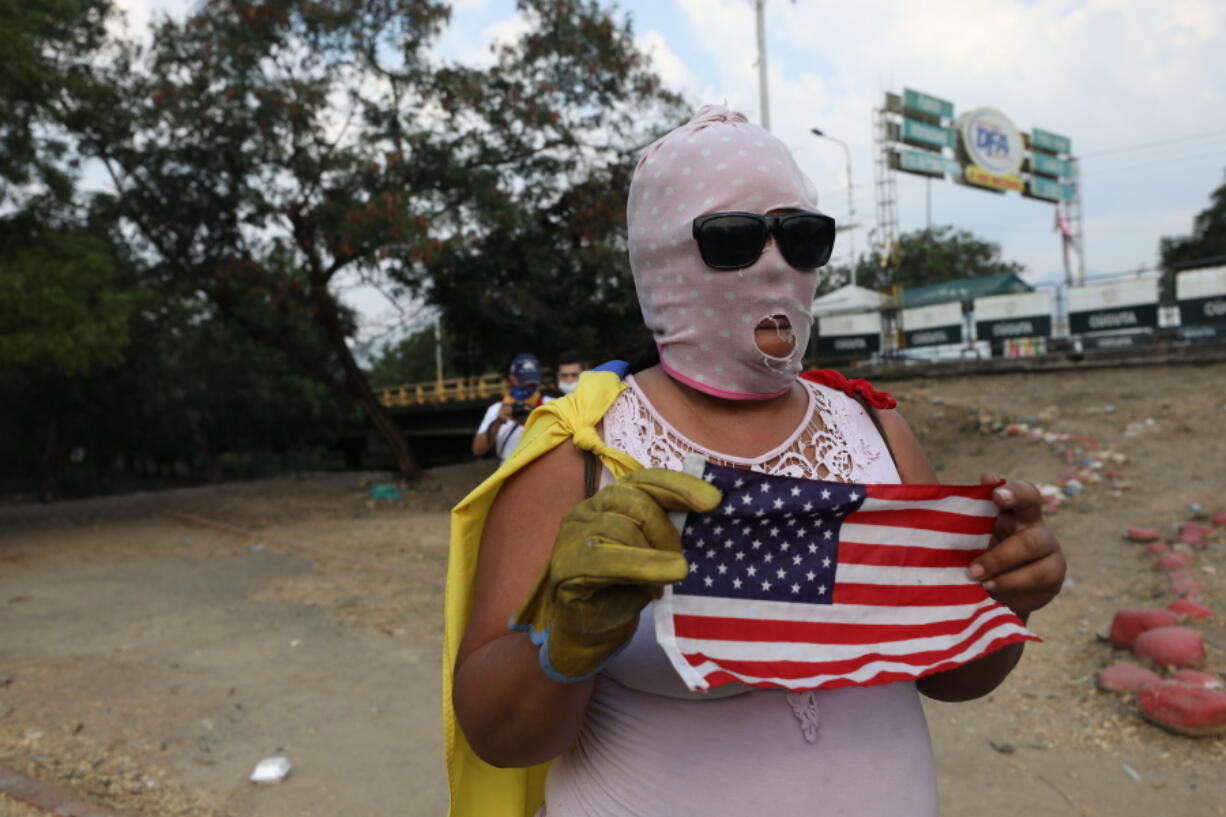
(704, 320)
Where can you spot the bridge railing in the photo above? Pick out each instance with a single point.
(484, 387)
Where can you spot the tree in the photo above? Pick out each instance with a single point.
(48, 47)
(413, 359)
(1206, 246)
(65, 309)
(922, 257)
(555, 277)
(266, 154)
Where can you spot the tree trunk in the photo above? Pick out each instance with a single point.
(406, 463)
(359, 388)
(51, 462)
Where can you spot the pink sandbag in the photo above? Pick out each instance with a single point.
(1157, 548)
(1192, 538)
(1142, 534)
(1130, 622)
(1190, 609)
(1196, 527)
(1183, 708)
(1184, 583)
(1171, 647)
(1219, 519)
(1174, 560)
(1125, 678)
(1200, 679)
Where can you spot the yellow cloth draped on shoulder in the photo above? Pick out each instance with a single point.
(477, 788)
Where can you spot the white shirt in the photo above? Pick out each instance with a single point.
(508, 434)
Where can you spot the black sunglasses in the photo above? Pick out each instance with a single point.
(729, 241)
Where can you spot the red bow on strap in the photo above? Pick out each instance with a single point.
(835, 380)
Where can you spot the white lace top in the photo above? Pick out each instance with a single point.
(649, 746)
(837, 441)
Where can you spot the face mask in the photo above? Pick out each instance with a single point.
(522, 393)
(567, 387)
(703, 319)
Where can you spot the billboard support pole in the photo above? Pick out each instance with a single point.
(1076, 221)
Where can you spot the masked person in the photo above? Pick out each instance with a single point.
(570, 366)
(726, 245)
(503, 423)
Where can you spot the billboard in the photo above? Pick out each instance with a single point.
(854, 335)
(1000, 317)
(1201, 295)
(988, 150)
(993, 147)
(932, 325)
(1115, 305)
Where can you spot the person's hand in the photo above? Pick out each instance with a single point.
(614, 553)
(504, 412)
(1023, 567)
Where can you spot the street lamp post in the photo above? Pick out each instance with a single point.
(764, 101)
(851, 202)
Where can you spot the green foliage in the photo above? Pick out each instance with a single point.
(189, 394)
(413, 360)
(63, 306)
(48, 45)
(922, 257)
(1206, 246)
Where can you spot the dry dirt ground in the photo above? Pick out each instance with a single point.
(149, 660)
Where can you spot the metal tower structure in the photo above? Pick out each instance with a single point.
(885, 185)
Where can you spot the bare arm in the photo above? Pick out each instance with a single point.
(510, 711)
(1023, 568)
(483, 441)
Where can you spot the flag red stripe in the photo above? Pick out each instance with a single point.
(718, 628)
(930, 492)
(896, 595)
(719, 677)
(925, 519)
(903, 555)
(805, 669)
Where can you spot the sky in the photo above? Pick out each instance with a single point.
(1139, 86)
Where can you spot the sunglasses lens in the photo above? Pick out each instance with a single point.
(806, 240)
(731, 241)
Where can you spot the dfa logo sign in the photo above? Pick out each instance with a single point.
(993, 148)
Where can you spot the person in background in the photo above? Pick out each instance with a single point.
(503, 422)
(570, 366)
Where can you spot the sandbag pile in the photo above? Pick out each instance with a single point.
(1189, 700)
(1086, 463)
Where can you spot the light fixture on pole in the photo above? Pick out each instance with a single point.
(851, 202)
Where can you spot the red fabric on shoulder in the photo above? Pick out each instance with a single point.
(835, 380)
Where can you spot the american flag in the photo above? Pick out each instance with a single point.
(803, 584)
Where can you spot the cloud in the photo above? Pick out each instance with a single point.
(139, 14)
(665, 62)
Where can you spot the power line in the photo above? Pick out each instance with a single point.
(1147, 162)
(1170, 152)
(1146, 145)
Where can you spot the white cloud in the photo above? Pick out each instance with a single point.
(665, 62)
(139, 14)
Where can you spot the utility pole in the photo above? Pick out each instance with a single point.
(763, 92)
(851, 199)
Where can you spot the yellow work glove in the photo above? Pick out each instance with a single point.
(614, 553)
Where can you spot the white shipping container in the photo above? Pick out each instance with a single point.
(1113, 295)
(1200, 283)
